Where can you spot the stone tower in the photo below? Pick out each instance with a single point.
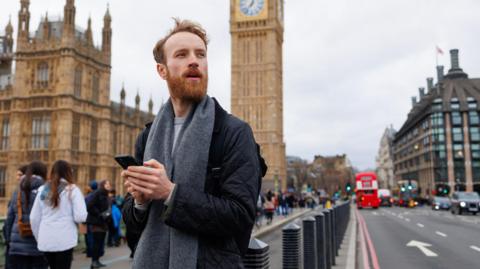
(256, 27)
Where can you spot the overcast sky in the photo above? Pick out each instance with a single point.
(350, 67)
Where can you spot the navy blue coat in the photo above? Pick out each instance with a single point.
(26, 246)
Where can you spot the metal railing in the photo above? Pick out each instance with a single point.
(322, 233)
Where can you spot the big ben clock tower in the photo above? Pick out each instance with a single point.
(256, 27)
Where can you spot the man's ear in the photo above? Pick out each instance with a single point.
(162, 71)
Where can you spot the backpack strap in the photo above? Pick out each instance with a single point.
(216, 153)
(19, 205)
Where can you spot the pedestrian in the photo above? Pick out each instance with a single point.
(269, 209)
(114, 233)
(20, 172)
(92, 186)
(132, 232)
(23, 250)
(99, 213)
(259, 211)
(197, 189)
(57, 210)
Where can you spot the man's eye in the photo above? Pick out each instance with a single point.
(181, 55)
(201, 54)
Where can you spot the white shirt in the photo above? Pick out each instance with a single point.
(55, 229)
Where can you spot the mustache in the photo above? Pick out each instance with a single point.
(192, 72)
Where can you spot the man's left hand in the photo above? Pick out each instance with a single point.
(150, 179)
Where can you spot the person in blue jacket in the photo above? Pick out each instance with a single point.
(23, 252)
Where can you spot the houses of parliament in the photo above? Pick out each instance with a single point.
(56, 104)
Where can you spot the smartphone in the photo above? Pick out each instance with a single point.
(126, 160)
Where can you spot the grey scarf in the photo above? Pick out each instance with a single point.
(161, 246)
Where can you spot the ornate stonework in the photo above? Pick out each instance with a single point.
(257, 95)
(59, 107)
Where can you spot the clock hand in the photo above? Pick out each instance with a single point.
(251, 3)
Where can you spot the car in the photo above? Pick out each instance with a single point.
(385, 197)
(441, 203)
(465, 202)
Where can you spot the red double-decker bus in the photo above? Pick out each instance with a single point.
(366, 190)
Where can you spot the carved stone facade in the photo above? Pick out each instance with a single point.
(58, 106)
(384, 159)
(256, 28)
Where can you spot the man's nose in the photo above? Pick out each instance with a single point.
(193, 65)
(193, 61)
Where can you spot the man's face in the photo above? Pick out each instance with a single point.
(186, 68)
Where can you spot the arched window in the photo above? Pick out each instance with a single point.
(77, 82)
(42, 75)
(95, 88)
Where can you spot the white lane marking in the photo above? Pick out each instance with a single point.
(420, 225)
(375, 213)
(400, 216)
(440, 233)
(407, 220)
(475, 248)
(394, 214)
(422, 247)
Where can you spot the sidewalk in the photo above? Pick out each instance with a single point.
(119, 257)
(347, 253)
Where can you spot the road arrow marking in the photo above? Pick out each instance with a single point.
(420, 225)
(475, 248)
(423, 247)
(441, 234)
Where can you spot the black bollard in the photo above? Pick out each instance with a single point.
(328, 241)
(332, 235)
(309, 244)
(291, 246)
(321, 241)
(257, 256)
(335, 229)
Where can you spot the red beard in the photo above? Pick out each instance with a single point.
(190, 90)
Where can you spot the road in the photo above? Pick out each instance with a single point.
(421, 238)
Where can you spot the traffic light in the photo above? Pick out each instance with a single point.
(445, 191)
(410, 187)
(348, 188)
(402, 189)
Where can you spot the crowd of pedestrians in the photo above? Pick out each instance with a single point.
(271, 204)
(46, 214)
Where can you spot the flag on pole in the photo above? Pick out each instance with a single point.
(439, 50)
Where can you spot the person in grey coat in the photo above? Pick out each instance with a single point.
(23, 251)
(193, 211)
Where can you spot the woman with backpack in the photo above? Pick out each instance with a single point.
(57, 210)
(23, 251)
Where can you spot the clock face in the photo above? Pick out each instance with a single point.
(251, 7)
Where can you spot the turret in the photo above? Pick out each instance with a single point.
(137, 101)
(122, 95)
(88, 33)
(150, 105)
(69, 20)
(46, 28)
(23, 22)
(107, 35)
(9, 36)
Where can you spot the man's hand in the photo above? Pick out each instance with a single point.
(148, 182)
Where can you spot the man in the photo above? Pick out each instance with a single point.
(193, 210)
